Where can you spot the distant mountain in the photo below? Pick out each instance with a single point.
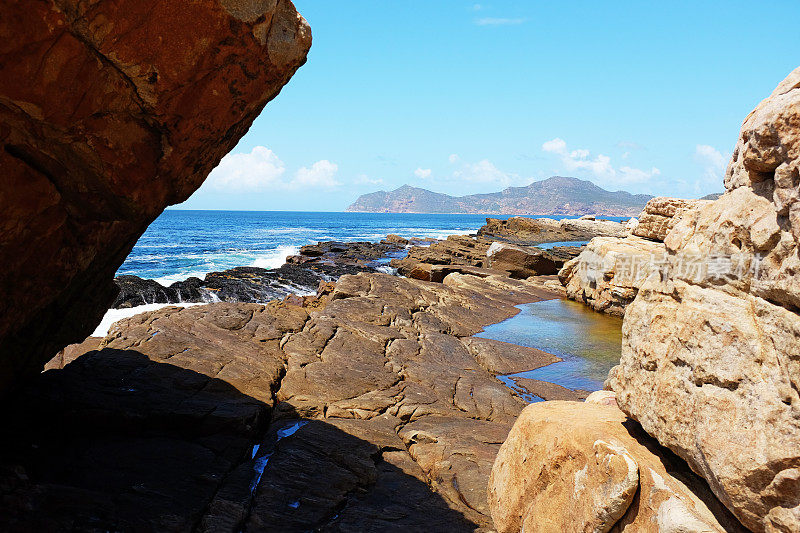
(554, 196)
(713, 196)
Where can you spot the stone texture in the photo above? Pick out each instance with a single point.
(607, 274)
(521, 261)
(126, 107)
(660, 215)
(373, 408)
(584, 467)
(528, 231)
(468, 255)
(710, 358)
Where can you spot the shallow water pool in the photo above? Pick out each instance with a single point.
(588, 342)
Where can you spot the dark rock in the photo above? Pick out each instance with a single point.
(522, 261)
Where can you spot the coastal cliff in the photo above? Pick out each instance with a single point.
(125, 109)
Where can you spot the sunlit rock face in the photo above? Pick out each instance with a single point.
(711, 352)
(109, 112)
(574, 466)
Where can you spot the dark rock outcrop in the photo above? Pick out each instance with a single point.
(301, 274)
(109, 112)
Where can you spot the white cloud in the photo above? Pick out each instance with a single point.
(256, 170)
(494, 21)
(261, 169)
(363, 179)
(556, 146)
(483, 171)
(712, 160)
(320, 174)
(453, 158)
(423, 173)
(599, 166)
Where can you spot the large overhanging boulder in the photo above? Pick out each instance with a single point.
(711, 351)
(109, 112)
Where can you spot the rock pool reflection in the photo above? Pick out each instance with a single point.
(588, 342)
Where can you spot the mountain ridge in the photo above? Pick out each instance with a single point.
(557, 195)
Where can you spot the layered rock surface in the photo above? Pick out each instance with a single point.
(607, 274)
(478, 256)
(710, 354)
(373, 409)
(125, 108)
(660, 215)
(524, 230)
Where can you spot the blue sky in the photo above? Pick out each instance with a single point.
(459, 97)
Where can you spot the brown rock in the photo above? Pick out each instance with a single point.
(569, 466)
(373, 409)
(522, 262)
(126, 107)
(549, 391)
(530, 231)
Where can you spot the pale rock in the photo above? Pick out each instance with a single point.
(573, 466)
(710, 363)
(607, 275)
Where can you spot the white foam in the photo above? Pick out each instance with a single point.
(166, 281)
(114, 315)
(275, 258)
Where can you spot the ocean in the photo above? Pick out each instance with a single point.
(182, 243)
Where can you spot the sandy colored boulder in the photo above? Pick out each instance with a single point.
(660, 215)
(710, 361)
(607, 275)
(582, 467)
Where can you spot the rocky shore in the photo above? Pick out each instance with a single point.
(425, 259)
(331, 394)
(251, 402)
(373, 395)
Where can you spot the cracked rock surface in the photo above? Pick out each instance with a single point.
(375, 410)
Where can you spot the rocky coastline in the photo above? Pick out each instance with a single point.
(351, 389)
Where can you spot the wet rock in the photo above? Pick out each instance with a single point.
(709, 361)
(549, 391)
(125, 109)
(243, 284)
(135, 291)
(571, 466)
